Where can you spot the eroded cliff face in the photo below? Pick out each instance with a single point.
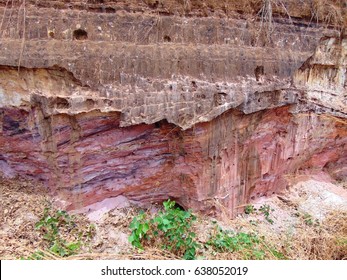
(125, 101)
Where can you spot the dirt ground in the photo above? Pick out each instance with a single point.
(307, 222)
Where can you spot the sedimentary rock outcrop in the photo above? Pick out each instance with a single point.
(112, 99)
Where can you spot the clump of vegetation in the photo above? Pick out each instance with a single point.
(250, 209)
(264, 209)
(242, 245)
(170, 228)
(60, 234)
(309, 220)
(246, 243)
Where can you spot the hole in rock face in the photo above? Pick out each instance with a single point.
(89, 103)
(179, 206)
(10, 124)
(160, 124)
(167, 38)
(108, 102)
(51, 34)
(258, 72)
(80, 34)
(110, 10)
(177, 203)
(219, 98)
(153, 4)
(61, 103)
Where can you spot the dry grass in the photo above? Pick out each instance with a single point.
(324, 241)
(21, 205)
(327, 241)
(266, 17)
(329, 12)
(23, 33)
(150, 254)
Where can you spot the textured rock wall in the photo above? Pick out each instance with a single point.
(88, 157)
(210, 106)
(151, 67)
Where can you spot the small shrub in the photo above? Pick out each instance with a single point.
(52, 225)
(266, 210)
(248, 246)
(250, 209)
(228, 241)
(309, 220)
(170, 228)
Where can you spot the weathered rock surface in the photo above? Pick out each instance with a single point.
(115, 100)
(89, 157)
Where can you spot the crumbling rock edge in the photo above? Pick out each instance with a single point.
(319, 84)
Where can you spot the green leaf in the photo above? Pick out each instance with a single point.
(131, 238)
(39, 224)
(134, 224)
(145, 228)
(73, 246)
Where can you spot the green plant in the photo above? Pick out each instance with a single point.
(170, 228)
(309, 220)
(277, 254)
(249, 246)
(266, 210)
(38, 255)
(228, 241)
(250, 209)
(51, 225)
(140, 227)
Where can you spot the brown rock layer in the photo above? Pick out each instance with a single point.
(151, 67)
